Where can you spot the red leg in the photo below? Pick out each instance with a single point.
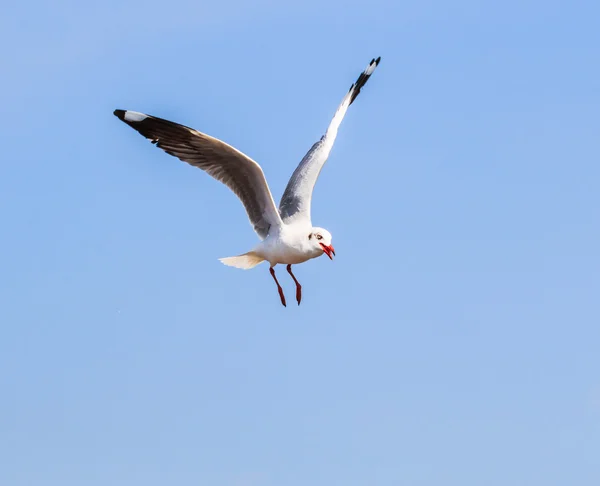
(279, 289)
(298, 286)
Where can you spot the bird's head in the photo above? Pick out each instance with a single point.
(320, 240)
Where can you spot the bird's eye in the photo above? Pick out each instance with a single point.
(319, 237)
(310, 236)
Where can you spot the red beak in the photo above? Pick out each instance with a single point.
(328, 250)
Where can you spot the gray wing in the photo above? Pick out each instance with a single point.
(295, 203)
(223, 162)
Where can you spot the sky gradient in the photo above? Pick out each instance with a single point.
(454, 339)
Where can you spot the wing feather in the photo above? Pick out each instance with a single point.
(296, 200)
(221, 161)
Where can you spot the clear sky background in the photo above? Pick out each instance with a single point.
(453, 341)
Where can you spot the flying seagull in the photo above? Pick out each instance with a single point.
(287, 234)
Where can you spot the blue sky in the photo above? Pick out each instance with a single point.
(454, 339)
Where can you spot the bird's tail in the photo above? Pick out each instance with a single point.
(246, 261)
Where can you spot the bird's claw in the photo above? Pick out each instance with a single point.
(282, 297)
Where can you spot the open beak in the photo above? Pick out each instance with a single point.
(328, 250)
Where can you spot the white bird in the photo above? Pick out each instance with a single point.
(287, 234)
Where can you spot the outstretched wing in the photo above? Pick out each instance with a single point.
(223, 162)
(295, 203)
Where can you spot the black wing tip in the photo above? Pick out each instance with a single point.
(120, 114)
(374, 63)
(363, 78)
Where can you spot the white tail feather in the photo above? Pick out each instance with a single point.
(246, 261)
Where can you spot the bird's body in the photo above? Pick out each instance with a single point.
(289, 245)
(287, 234)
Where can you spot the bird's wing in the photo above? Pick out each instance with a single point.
(295, 203)
(223, 162)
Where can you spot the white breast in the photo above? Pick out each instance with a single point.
(289, 247)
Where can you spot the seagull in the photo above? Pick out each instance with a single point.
(287, 234)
